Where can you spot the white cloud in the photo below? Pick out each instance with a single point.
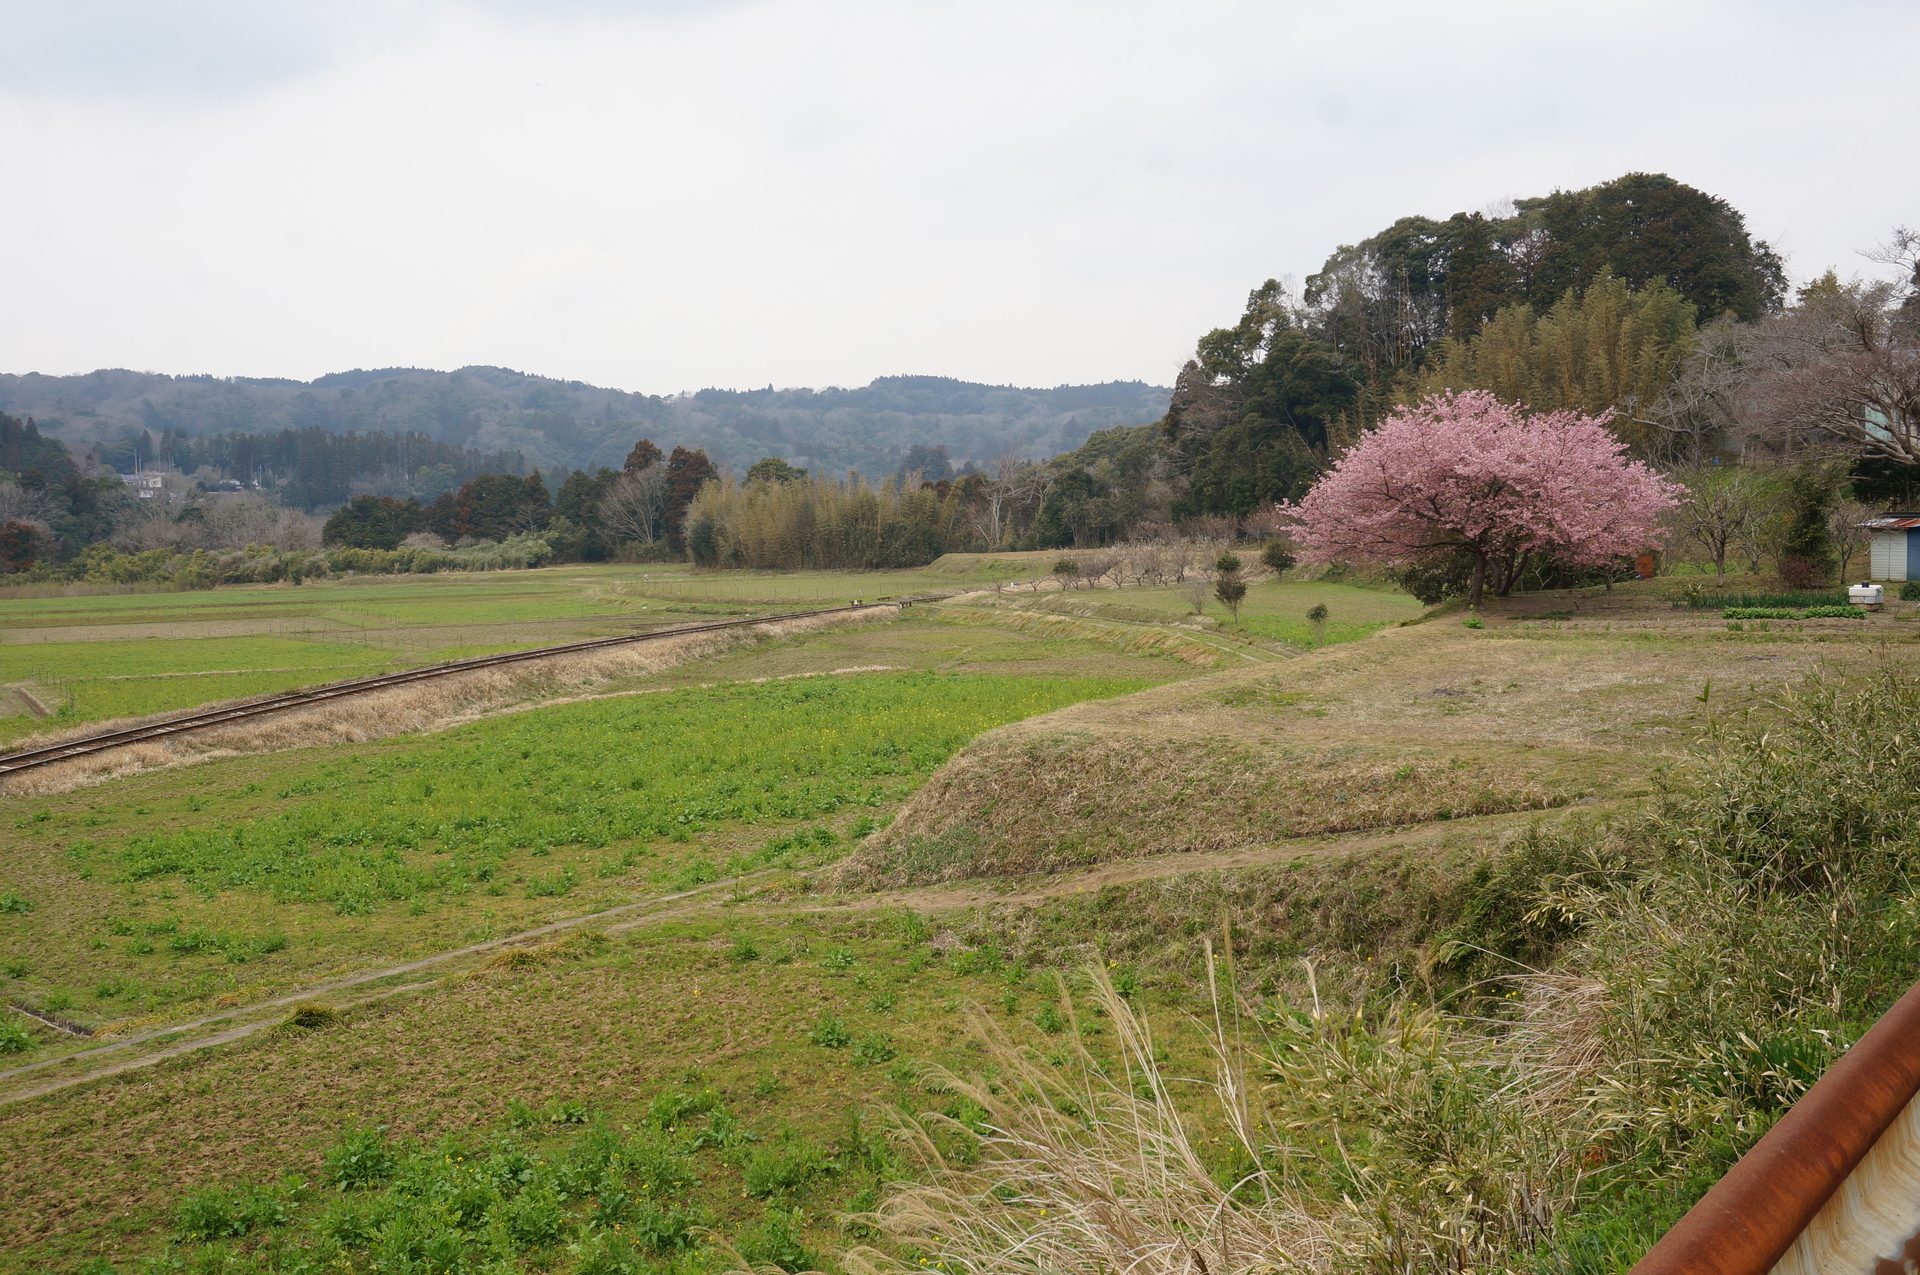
(667, 195)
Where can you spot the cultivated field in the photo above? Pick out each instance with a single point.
(608, 971)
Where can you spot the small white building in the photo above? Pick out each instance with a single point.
(144, 484)
(1895, 551)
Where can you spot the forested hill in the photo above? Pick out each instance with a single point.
(575, 425)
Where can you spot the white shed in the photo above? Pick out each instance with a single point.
(1895, 553)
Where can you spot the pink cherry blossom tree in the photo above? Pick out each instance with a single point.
(1465, 472)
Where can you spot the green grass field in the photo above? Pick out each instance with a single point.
(594, 1110)
(95, 658)
(259, 873)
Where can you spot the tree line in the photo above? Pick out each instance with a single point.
(641, 507)
(1641, 301)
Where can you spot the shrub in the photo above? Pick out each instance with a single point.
(612, 1253)
(1910, 591)
(830, 1033)
(1227, 564)
(775, 1241)
(14, 1038)
(669, 1110)
(535, 1216)
(362, 1158)
(1275, 557)
(769, 1171)
(1231, 590)
(1806, 543)
(216, 1214)
(874, 1048)
(11, 902)
(1782, 613)
(663, 1230)
(567, 1113)
(1827, 788)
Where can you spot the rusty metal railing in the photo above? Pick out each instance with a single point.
(1755, 1214)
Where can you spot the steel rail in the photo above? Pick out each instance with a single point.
(14, 763)
(1753, 1215)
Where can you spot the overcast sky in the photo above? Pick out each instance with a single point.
(663, 195)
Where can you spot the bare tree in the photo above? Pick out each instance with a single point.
(1002, 491)
(1143, 564)
(635, 507)
(217, 522)
(1096, 567)
(1843, 365)
(1724, 505)
(1703, 404)
(18, 504)
(1850, 539)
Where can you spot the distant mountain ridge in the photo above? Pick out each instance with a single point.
(571, 424)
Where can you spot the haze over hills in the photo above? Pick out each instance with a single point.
(555, 423)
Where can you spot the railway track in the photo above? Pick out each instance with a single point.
(30, 759)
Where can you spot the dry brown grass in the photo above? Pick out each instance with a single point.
(420, 706)
(1413, 724)
(1132, 640)
(518, 959)
(1020, 804)
(1080, 1173)
(1406, 1142)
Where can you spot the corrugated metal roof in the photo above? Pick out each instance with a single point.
(1892, 522)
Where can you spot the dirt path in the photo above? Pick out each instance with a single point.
(243, 1021)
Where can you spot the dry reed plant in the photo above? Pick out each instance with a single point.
(1079, 1173)
(1416, 1142)
(420, 706)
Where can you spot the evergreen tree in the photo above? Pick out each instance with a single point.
(579, 504)
(1806, 551)
(644, 453)
(373, 522)
(687, 472)
(23, 450)
(772, 469)
(495, 506)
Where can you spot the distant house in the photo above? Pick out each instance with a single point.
(144, 484)
(1895, 553)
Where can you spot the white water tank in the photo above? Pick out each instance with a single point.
(1869, 596)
